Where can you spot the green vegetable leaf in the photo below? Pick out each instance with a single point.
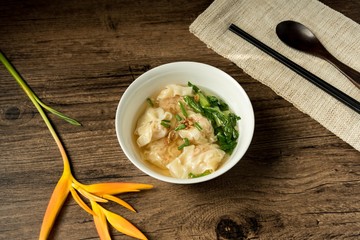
(150, 102)
(195, 88)
(203, 100)
(198, 126)
(183, 110)
(217, 112)
(185, 144)
(207, 172)
(190, 101)
(180, 127)
(165, 123)
(177, 116)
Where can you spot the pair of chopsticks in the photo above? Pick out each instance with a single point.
(336, 93)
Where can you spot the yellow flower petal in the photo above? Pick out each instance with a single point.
(57, 199)
(123, 225)
(112, 188)
(81, 202)
(87, 194)
(100, 222)
(119, 201)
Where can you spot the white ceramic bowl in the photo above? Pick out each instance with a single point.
(207, 78)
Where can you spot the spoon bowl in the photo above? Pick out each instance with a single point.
(299, 37)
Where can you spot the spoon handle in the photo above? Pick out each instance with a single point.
(349, 72)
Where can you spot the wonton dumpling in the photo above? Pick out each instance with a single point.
(196, 160)
(173, 90)
(196, 136)
(170, 104)
(149, 126)
(161, 152)
(168, 99)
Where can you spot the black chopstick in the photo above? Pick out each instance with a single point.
(336, 93)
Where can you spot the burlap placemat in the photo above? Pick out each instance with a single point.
(339, 34)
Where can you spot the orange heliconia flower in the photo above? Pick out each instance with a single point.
(95, 193)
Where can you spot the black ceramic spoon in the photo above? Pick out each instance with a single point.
(298, 36)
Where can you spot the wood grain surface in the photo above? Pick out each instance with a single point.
(297, 180)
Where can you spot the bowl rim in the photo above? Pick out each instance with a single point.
(157, 70)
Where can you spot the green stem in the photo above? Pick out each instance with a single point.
(33, 98)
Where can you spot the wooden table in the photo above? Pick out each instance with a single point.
(297, 180)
